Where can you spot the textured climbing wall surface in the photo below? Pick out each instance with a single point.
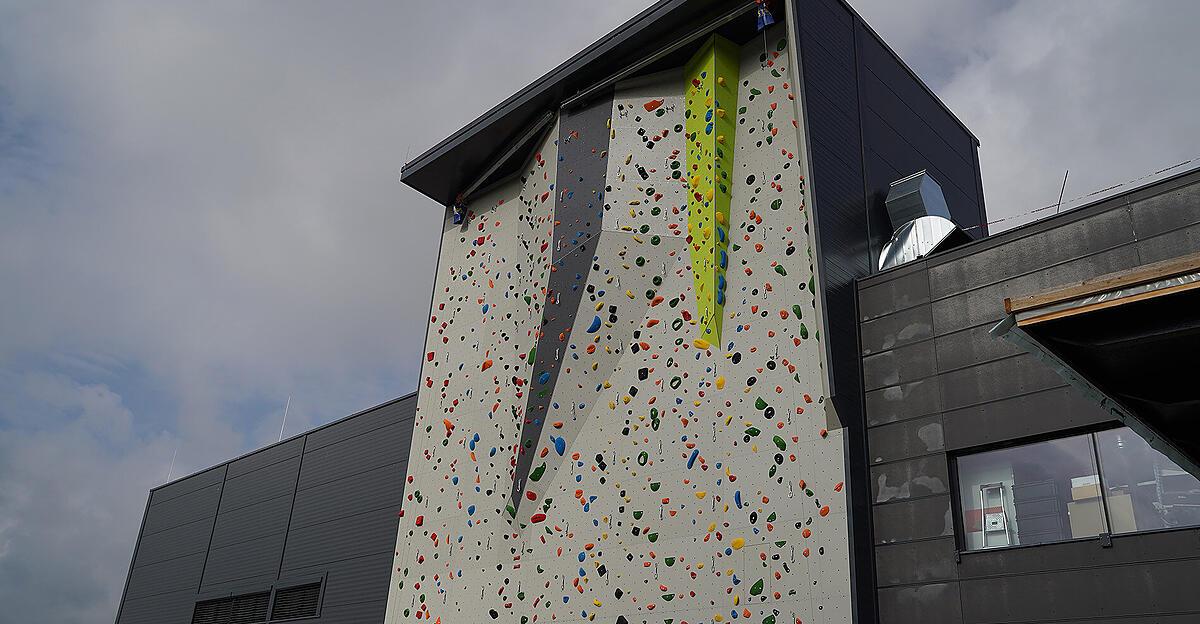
(659, 475)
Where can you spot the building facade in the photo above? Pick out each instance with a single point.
(664, 381)
(1089, 524)
(300, 529)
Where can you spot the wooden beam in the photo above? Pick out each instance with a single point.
(1104, 283)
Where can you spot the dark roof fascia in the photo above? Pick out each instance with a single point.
(550, 80)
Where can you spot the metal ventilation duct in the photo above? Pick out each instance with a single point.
(918, 195)
(921, 217)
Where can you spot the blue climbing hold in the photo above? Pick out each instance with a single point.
(595, 326)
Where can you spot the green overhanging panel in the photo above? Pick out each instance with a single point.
(711, 95)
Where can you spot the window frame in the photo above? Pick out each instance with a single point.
(1105, 538)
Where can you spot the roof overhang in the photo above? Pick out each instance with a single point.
(1130, 341)
(458, 161)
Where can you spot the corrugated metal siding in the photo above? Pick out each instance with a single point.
(324, 503)
(938, 383)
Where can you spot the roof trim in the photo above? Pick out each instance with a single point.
(641, 20)
(1146, 275)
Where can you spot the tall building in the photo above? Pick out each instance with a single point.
(710, 341)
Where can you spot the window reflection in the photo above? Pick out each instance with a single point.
(1032, 494)
(1082, 486)
(1144, 489)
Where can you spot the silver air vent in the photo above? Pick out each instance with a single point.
(919, 213)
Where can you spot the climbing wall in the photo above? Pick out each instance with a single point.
(587, 448)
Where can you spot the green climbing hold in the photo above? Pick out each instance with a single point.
(757, 588)
(780, 270)
(780, 443)
(760, 404)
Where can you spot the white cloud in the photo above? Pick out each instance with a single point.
(199, 213)
(200, 216)
(1104, 89)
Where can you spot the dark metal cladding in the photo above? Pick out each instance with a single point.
(320, 505)
(578, 216)
(984, 393)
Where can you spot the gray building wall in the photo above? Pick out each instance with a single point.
(320, 505)
(937, 384)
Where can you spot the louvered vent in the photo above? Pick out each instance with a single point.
(250, 608)
(300, 601)
(243, 609)
(212, 611)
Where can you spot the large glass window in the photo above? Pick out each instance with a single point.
(1144, 489)
(1059, 490)
(1032, 494)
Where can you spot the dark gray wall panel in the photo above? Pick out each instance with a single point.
(1125, 590)
(188, 485)
(907, 286)
(1170, 245)
(352, 613)
(373, 489)
(917, 519)
(970, 347)
(1018, 417)
(167, 576)
(266, 457)
(920, 604)
(1031, 253)
(268, 517)
(353, 536)
(996, 380)
(906, 439)
(902, 365)
(185, 539)
(253, 558)
(402, 411)
(910, 478)
(386, 445)
(196, 505)
(986, 304)
(896, 330)
(910, 400)
(160, 609)
(272, 481)
(352, 581)
(916, 562)
(1167, 211)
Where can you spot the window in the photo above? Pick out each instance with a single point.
(1144, 489)
(1071, 488)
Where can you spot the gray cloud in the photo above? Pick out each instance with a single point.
(199, 213)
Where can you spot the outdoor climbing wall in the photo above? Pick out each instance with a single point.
(583, 452)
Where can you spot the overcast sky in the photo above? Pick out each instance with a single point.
(200, 214)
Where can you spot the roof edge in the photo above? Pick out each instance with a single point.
(286, 440)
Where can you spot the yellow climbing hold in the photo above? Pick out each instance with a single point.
(737, 543)
(700, 343)
(721, 382)
(701, 494)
